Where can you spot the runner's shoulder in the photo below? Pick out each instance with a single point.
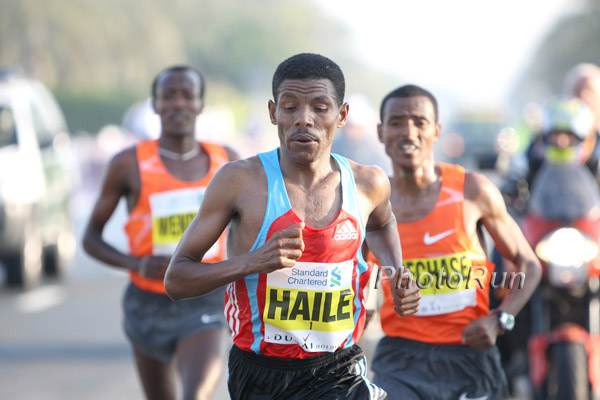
(481, 190)
(240, 173)
(124, 162)
(125, 157)
(369, 178)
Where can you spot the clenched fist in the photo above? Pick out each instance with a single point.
(154, 267)
(405, 292)
(282, 250)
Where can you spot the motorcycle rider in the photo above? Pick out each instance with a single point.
(582, 82)
(566, 126)
(562, 223)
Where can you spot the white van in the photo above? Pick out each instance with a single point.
(35, 182)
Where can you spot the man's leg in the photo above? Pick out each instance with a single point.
(200, 363)
(157, 377)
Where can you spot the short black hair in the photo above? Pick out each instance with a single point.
(310, 66)
(409, 91)
(178, 68)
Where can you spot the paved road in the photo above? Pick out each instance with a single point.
(63, 340)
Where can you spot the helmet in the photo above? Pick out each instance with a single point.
(568, 114)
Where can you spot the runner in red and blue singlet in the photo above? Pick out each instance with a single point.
(295, 277)
(317, 306)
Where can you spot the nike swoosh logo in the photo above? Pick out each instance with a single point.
(464, 397)
(428, 240)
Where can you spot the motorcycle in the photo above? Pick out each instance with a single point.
(562, 224)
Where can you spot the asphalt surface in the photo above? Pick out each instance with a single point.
(63, 339)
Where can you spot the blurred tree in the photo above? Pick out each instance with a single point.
(83, 45)
(574, 39)
(99, 55)
(240, 42)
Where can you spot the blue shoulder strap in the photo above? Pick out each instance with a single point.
(278, 202)
(349, 191)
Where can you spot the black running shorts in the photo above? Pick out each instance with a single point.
(410, 370)
(340, 375)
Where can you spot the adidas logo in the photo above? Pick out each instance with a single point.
(346, 232)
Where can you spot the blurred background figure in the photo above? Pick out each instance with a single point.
(357, 140)
(471, 138)
(563, 129)
(583, 82)
(141, 120)
(561, 222)
(163, 181)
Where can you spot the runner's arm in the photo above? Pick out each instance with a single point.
(509, 240)
(384, 242)
(116, 184)
(482, 332)
(187, 276)
(382, 232)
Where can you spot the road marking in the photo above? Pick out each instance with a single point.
(40, 299)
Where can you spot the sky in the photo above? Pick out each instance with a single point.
(472, 50)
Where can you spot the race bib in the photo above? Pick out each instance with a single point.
(172, 212)
(310, 305)
(446, 283)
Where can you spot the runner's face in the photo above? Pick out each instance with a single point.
(409, 130)
(178, 102)
(307, 116)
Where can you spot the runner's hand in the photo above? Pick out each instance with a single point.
(154, 267)
(282, 250)
(405, 292)
(481, 333)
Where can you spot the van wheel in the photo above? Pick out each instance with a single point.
(24, 268)
(58, 256)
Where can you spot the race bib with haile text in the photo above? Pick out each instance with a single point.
(310, 305)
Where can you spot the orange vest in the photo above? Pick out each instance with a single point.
(165, 208)
(453, 277)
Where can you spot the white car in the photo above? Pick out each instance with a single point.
(35, 182)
